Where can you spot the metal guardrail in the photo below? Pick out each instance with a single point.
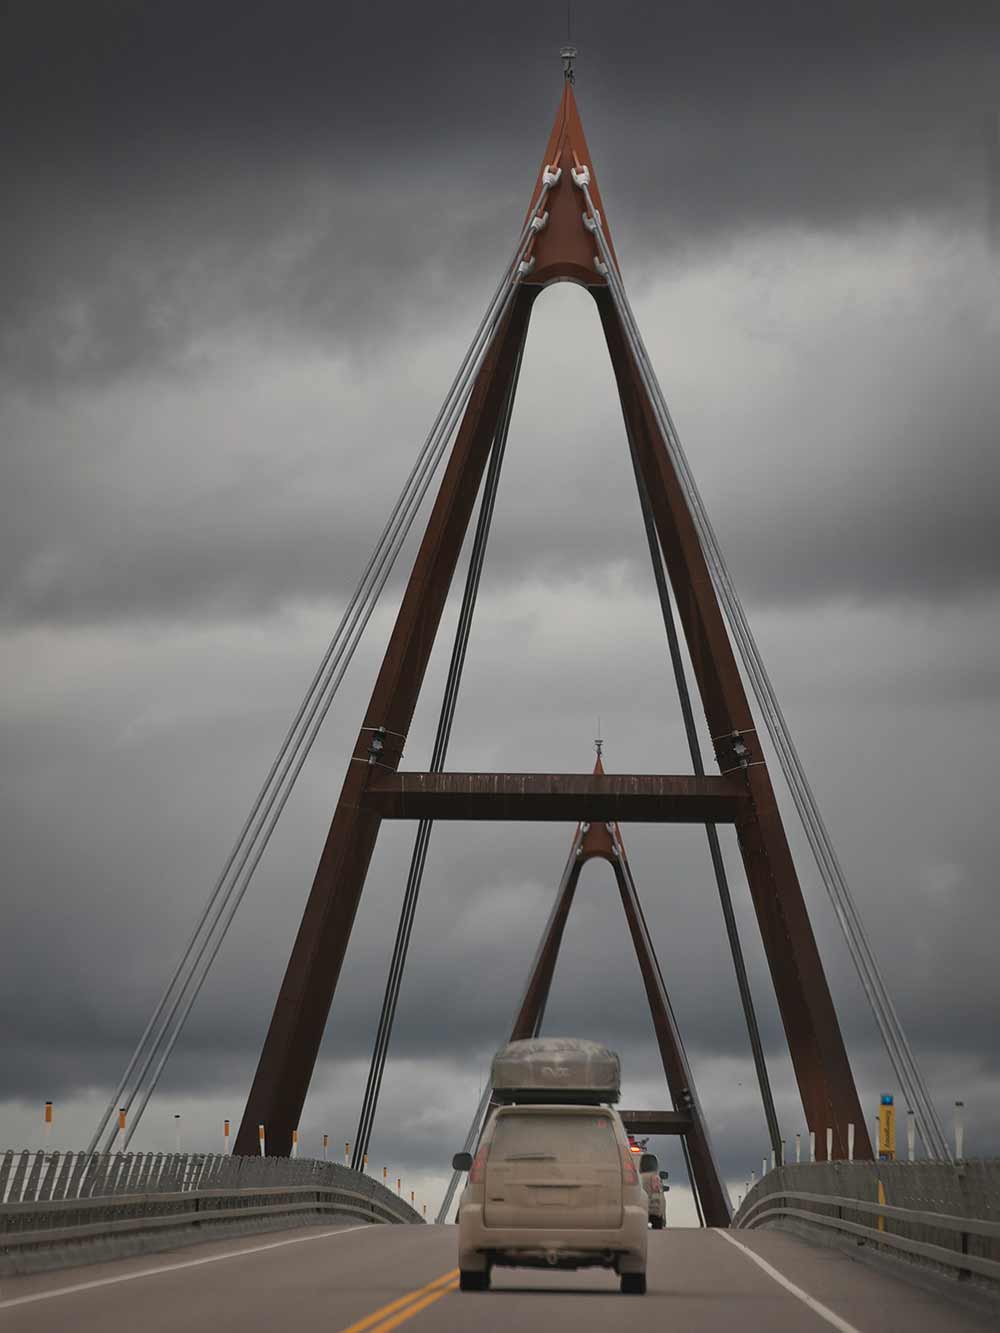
(53, 1199)
(843, 1198)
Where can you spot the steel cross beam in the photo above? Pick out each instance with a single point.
(658, 798)
(656, 1122)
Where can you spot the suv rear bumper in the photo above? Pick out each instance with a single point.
(622, 1247)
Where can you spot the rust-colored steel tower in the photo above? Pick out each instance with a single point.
(374, 789)
(604, 842)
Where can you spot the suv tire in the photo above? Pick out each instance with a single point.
(633, 1284)
(473, 1280)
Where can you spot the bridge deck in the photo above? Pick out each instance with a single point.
(329, 1280)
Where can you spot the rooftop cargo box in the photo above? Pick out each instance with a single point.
(556, 1069)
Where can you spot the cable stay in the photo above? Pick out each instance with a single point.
(419, 856)
(157, 1042)
(834, 880)
(694, 748)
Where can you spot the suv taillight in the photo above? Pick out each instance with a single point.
(478, 1167)
(630, 1176)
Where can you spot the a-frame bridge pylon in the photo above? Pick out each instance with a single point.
(604, 842)
(563, 249)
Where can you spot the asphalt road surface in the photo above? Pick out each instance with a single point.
(371, 1279)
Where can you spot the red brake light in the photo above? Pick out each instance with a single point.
(630, 1176)
(478, 1167)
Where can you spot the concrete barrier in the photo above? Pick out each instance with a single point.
(944, 1217)
(60, 1209)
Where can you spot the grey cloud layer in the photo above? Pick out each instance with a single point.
(247, 247)
(158, 153)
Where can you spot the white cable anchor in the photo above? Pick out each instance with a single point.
(581, 177)
(539, 222)
(551, 176)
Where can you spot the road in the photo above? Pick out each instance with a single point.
(372, 1279)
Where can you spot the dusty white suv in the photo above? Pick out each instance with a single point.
(553, 1185)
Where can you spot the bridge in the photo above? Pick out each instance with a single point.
(850, 1238)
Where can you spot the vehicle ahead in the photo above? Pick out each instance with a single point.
(656, 1191)
(653, 1182)
(554, 1183)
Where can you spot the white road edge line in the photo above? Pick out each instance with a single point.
(816, 1306)
(172, 1268)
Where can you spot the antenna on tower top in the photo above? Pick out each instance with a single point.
(569, 51)
(598, 743)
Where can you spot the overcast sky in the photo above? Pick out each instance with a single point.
(244, 247)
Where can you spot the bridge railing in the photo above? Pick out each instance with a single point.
(943, 1216)
(63, 1208)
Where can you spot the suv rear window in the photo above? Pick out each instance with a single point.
(565, 1138)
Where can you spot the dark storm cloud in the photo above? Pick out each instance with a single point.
(174, 169)
(243, 248)
(342, 182)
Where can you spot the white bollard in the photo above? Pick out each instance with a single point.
(829, 1143)
(177, 1132)
(911, 1137)
(260, 1139)
(850, 1143)
(812, 1145)
(763, 1167)
(782, 1162)
(772, 1159)
(798, 1148)
(959, 1130)
(347, 1154)
(295, 1143)
(225, 1137)
(753, 1179)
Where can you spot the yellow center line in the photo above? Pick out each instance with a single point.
(424, 1295)
(411, 1310)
